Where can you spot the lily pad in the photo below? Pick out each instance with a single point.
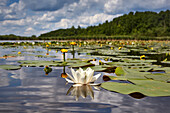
(45, 56)
(10, 67)
(158, 77)
(165, 62)
(80, 64)
(99, 68)
(39, 63)
(124, 88)
(118, 78)
(146, 87)
(127, 64)
(119, 71)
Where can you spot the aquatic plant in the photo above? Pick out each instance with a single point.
(81, 77)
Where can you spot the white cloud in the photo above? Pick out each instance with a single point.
(14, 11)
(14, 22)
(3, 2)
(40, 16)
(29, 29)
(85, 21)
(124, 6)
(47, 5)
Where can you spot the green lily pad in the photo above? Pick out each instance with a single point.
(158, 77)
(165, 62)
(99, 68)
(38, 63)
(10, 67)
(119, 71)
(118, 78)
(22, 54)
(127, 64)
(45, 56)
(138, 61)
(133, 74)
(135, 57)
(146, 87)
(80, 64)
(124, 88)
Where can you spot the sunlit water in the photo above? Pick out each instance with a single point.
(30, 90)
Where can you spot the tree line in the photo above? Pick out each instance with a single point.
(134, 25)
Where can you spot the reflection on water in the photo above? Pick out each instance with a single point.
(82, 91)
(30, 90)
(137, 95)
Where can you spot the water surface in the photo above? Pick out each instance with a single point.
(30, 90)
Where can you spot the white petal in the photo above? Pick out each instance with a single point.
(70, 81)
(97, 88)
(80, 70)
(88, 69)
(72, 71)
(74, 75)
(70, 77)
(75, 85)
(79, 76)
(95, 77)
(89, 74)
(94, 84)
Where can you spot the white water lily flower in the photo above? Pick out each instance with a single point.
(81, 77)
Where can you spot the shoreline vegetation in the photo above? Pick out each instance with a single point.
(132, 26)
(8, 37)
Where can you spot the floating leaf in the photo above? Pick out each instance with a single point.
(119, 71)
(124, 88)
(10, 67)
(99, 68)
(45, 56)
(158, 77)
(145, 87)
(38, 63)
(80, 64)
(165, 62)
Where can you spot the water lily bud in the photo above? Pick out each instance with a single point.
(94, 59)
(120, 48)
(64, 50)
(141, 57)
(73, 43)
(47, 45)
(64, 75)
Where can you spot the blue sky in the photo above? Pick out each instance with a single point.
(34, 17)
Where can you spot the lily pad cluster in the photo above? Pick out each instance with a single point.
(140, 63)
(146, 83)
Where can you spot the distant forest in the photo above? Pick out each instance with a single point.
(138, 25)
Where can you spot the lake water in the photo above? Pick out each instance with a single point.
(29, 90)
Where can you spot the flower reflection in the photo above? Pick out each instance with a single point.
(47, 70)
(64, 74)
(82, 91)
